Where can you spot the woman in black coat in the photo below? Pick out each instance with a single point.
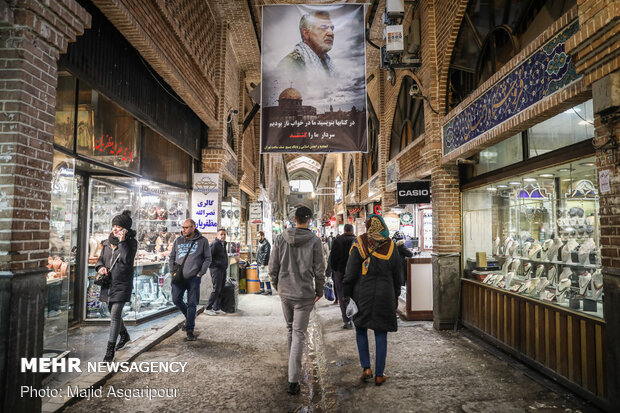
(372, 280)
(117, 261)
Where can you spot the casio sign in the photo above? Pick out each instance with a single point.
(413, 192)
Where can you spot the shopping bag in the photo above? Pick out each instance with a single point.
(329, 291)
(351, 308)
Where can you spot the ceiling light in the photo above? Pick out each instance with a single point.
(491, 189)
(546, 175)
(502, 186)
(515, 183)
(587, 164)
(565, 169)
(529, 179)
(566, 180)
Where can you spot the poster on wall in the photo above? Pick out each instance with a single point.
(204, 208)
(256, 213)
(313, 90)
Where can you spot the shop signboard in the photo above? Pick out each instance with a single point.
(353, 212)
(391, 173)
(418, 192)
(311, 103)
(256, 213)
(338, 190)
(406, 218)
(205, 208)
(373, 187)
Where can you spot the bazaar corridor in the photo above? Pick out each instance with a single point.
(238, 364)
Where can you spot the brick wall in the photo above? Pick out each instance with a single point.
(29, 51)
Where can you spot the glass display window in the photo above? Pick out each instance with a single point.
(65, 110)
(158, 212)
(61, 260)
(538, 235)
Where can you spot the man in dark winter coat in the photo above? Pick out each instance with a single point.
(219, 265)
(262, 259)
(404, 253)
(297, 271)
(196, 247)
(338, 258)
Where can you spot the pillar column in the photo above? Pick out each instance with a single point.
(32, 35)
(446, 246)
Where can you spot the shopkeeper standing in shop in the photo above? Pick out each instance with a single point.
(262, 259)
(117, 262)
(196, 247)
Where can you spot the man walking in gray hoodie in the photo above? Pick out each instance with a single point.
(196, 247)
(297, 271)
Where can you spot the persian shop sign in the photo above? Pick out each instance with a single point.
(204, 206)
(413, 192)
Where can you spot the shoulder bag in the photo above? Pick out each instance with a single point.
(104, 280)
(177, 270)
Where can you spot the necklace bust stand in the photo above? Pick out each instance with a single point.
(597, 285)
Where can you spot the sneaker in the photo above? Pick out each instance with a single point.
(210, 312)
(183, 328)
(191, 336)
(259, 292)
(220, 312)
(293, 388)
(268, 292)
(348, 325)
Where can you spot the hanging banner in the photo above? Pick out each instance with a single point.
(204, 206)
(313, 89)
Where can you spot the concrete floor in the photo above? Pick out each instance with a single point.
(239, 364)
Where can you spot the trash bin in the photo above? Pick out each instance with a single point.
(252, 281)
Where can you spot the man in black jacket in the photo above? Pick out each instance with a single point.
(262, 259)
(338, 259)
(219, 265)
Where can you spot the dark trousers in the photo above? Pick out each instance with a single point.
(219, 279)
(192, 286)
(338, 279)
(361, 335)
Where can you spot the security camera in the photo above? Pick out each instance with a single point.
(414, 90)
(390, 76)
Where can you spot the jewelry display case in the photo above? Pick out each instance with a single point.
(231, 222)
(541, 236)
(158, 212)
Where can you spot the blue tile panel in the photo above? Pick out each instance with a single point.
(548, 70)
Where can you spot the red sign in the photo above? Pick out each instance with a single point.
(107, 146)
(378, 209)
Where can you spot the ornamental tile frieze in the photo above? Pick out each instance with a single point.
(545, 72)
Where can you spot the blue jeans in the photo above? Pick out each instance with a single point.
(192, 286)
(361, 334)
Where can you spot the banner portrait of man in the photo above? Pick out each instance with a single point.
(313, 90)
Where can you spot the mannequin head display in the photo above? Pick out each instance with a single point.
(597, 284)
(540, 270)
(534, 251)
(526, 249)
(563, 290)
(496, 246)
(552, 275)
(568, 249)
(552, 252)
(545, 249)
(584, 282)
(527, 270)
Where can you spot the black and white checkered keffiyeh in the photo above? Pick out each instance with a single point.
(313, 61)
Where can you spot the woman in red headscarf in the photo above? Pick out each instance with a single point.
(372, 280)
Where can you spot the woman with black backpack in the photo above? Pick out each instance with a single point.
(115, 269)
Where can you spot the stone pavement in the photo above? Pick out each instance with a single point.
(239, 364)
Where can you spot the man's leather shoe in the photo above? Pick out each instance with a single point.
(293, 388)
(379, 380)
(268, 292)
(366, 375)
(191, 336)
(259, 292)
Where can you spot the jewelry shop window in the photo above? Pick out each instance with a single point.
(157, 211)
(65, 110)
(543, 240)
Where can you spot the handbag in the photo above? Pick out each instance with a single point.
(104, 280)
(177, 271)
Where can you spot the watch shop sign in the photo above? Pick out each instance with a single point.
(204, 208)
(418, 192)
